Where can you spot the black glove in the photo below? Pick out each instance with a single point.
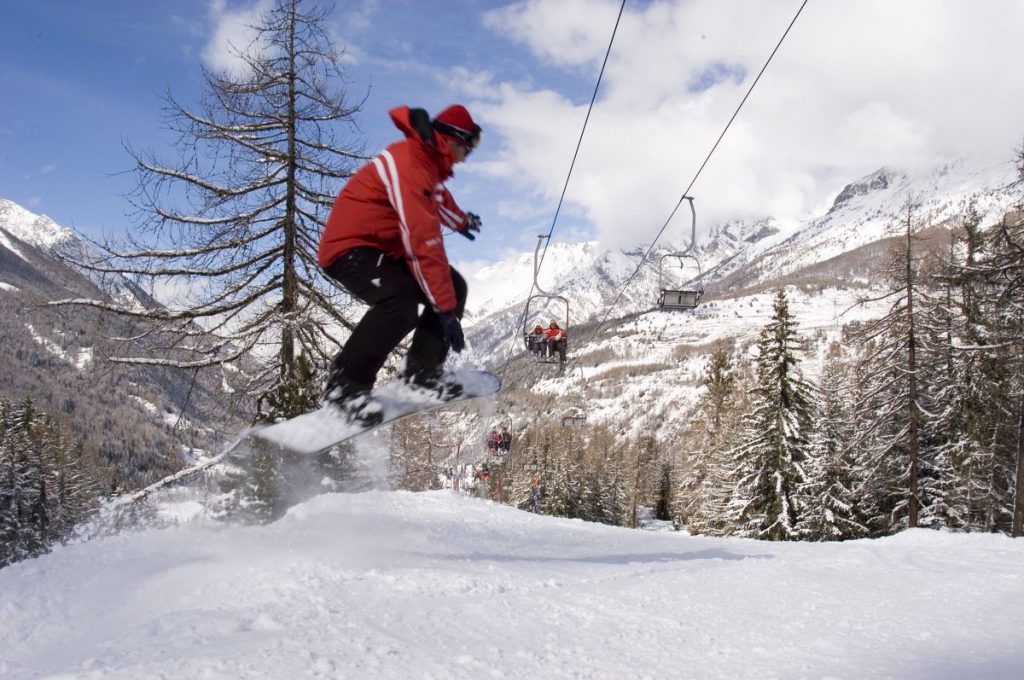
(452, 330)
(472, 224)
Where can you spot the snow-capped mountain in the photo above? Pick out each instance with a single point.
(866, 210)
(139, 417)
(37, 230)
(21, 226)
(639, 372)
(733, 257)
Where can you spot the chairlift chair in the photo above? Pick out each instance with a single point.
(575, 416)
(574, 419)
(534, 302)
(672, 299)
(503, 426)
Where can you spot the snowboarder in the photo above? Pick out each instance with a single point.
(383, 243)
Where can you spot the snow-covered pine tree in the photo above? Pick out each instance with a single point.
(561, 487)
(830, 496)
(546, 472)
(47, 486)
(75, 484)
(976, 393)
(606, 491)
(522, 466)
(963, 382)
(1002, 267)
(705, 487)
(23, 532)
(12, 481)
(769, 461)
(889, 414)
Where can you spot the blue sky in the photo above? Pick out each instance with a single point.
(84, 78)
(855, 86)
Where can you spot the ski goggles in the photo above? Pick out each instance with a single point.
(469, 139)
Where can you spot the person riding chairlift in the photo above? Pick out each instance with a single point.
(556, 341)
(536, 339)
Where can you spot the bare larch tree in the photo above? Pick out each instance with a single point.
(234, 223)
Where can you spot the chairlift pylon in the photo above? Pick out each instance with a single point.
(543, 354)
(672, 299)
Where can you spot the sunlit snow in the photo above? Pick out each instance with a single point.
(439, 585)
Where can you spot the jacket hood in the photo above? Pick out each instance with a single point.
(414, 124)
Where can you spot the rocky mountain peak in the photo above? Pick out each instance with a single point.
(876, 181)
(37, 230)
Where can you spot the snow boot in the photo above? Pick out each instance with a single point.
(353, 401)
(435, 384)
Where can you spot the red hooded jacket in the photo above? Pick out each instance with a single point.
(555, 333)
(398, 203)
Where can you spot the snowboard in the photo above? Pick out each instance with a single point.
(311, 433)
(325, 427)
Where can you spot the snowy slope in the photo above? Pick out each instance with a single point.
(436, 585)
(647, 379)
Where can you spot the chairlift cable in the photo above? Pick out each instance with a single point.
(521, 319)
(685, 196)
(690, 186)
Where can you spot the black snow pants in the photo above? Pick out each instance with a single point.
(387, 286)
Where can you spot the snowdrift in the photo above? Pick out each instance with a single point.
(436, 585)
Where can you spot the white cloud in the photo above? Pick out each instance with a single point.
(360, 16)
(231, 34)
(47, 169)
(855, 86)
(177, 292)
(35, 201)
(567, 33)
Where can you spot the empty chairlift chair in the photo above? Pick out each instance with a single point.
(688, 297)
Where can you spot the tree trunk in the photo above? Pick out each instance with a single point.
(914, 414)
(636, 492)
(290, 288)
(1018, 495)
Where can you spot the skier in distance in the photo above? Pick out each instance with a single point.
(383, 243)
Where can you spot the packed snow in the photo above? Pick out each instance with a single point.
(389, 584)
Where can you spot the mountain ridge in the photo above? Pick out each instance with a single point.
(616, 331)
(737, 253)
(141, 422)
